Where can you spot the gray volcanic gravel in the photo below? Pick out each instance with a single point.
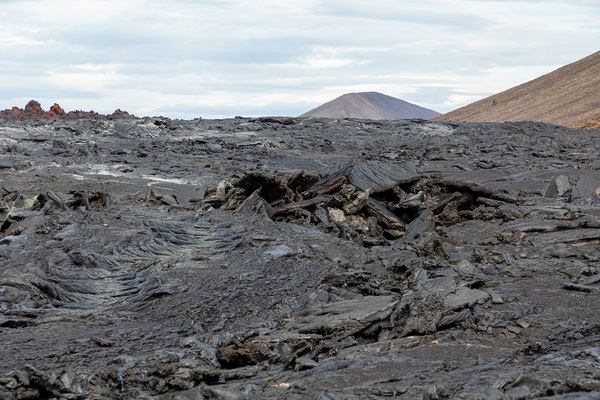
(298, 258)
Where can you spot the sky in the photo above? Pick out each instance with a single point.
(222, 58)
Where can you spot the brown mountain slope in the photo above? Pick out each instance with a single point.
(569, 96)
(592, 123)
(370, 105)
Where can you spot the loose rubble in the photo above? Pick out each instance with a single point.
(369, 202)
(297, 258)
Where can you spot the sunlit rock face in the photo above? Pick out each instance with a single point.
(56, 111)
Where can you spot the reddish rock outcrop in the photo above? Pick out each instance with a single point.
(56, 111)
(33, 107)
(34, 110)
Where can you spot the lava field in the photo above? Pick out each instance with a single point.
(293, 258)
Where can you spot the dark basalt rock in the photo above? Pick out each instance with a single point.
(296, 258)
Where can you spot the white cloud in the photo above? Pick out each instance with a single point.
(86, 77)
(8, 39)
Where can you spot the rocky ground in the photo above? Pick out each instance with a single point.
(298, 258)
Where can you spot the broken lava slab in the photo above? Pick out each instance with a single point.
(346, 315)
(464, 297)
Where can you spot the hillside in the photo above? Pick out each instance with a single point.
(569, 96)
(370, 105)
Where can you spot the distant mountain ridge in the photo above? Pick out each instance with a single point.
(370, 105)
(568, 96)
